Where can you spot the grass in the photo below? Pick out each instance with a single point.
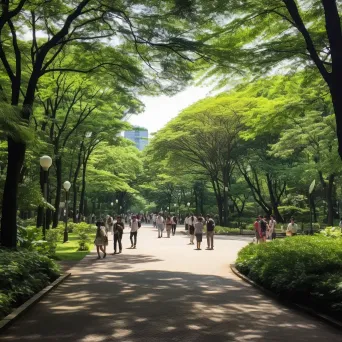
(69, 251)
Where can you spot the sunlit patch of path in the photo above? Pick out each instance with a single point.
(163, 291)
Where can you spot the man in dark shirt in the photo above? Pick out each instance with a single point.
(118, 231)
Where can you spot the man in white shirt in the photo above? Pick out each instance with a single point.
(134, 231)
(186, 222)
(160, 225)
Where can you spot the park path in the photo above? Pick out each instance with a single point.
(163, 291)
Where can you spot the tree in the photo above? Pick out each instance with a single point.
(265, 36)
(206, 135)
(90, 28)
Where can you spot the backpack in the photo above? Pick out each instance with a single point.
(263, 225)
(210, 225)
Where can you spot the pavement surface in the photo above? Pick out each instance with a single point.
(163, 291)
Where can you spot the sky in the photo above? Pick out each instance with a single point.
(160, 110)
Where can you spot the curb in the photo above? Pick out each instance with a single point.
(322, 317)
(15, 314)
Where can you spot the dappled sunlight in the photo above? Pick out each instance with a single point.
(121, 298)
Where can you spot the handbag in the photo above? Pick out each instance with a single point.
(105, 239)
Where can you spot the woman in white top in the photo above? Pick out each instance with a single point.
(160, 225)
(272, 228)
(199, 232)
(101, 239)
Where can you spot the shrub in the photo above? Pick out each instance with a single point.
(334, 232)
(305, 269)
(22, 274)
(84, 241)
(225, 230)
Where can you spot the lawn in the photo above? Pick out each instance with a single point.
(69, 250)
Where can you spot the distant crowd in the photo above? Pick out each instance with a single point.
(194, 225)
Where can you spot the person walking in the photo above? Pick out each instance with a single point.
(272, 228)
(134, 231)
(118, 229)
(109, 224)
(160, 225)
(263, 228)
(191, 223)
(168, 225)
(199, 232)
(101, 239)
(154, 220)
(174, 225)
(257, 229)
(210, 232)
(186, 222)
(292, 228)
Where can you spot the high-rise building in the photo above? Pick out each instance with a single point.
(139, 136)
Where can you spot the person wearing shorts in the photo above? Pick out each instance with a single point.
(199, 232)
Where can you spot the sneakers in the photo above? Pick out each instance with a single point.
(120, 251)
(135, 247)
(104, 255)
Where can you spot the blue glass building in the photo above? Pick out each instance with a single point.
(139, 136)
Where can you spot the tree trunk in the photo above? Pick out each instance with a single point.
(274, 202)
(58, 163)
(330, 200)
(16, 156)
(83, 186)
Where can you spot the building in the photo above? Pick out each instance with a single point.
(139, 136)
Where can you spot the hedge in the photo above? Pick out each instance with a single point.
(304, 269)
(22, 274)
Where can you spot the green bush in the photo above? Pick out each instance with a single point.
(225, 230)
(334, 232)
(83, 242)
(305, 269)
(22, 274)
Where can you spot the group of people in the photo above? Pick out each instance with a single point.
(103, 228)
(169, 223)
(264, 229)
(193, 224)
(267, 229)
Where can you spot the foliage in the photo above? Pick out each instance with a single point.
(333, 232)
(70, 250)
(22, 274)
(225, 230)
(304, 269)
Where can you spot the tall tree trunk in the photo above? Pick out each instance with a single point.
(83, 187)
(40, 214)
(74, 183)
(58, 164)
(274, 202)
(330, 200)
(16, 156)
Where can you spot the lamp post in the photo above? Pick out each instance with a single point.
(117, 204)
(45, 163)
(66, 186)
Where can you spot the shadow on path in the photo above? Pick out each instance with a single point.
(101, 304)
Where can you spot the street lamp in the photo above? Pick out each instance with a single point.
(45, 163)
(66, 186)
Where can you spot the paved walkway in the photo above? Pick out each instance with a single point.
(163, 291)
